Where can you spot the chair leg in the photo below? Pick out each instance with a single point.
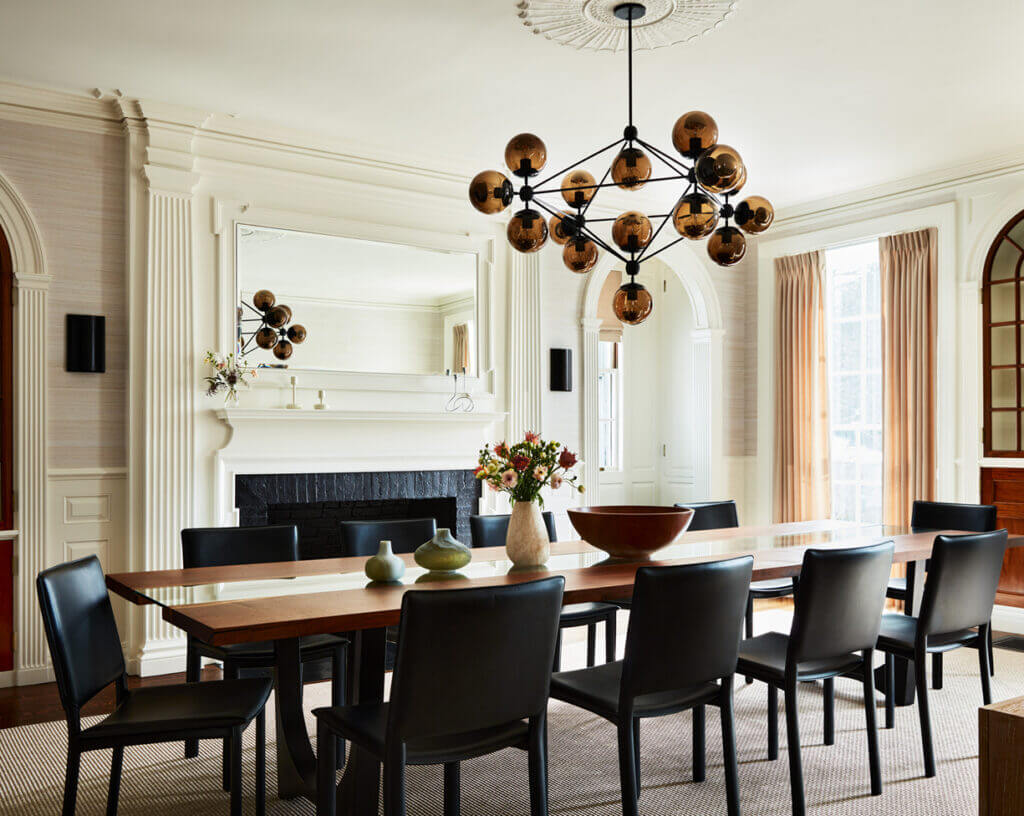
(230, 673)
(636, 756)
(394, 782)
(452, 795)
(921, 681)
(699, 744)
(983, 663)
(627, 767)
(557, 665)
(890, 693)
(591, 644)
(732, 785)
(796, 773)
(71, 781)
(261, 762)
(236, 772)
(193, 662)
(773, 722)
(338, 695)
(609, 638)
(748, 624)
(538, 761)
(937, 671)
(872, 726)
(114, 791)
(326, 764)
(991, 652)
(829, 690)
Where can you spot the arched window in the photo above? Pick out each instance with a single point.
(1003, 318)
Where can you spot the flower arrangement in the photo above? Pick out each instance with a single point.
(521, 470)
(229, 374)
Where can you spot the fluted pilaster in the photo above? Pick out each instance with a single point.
(525, 355)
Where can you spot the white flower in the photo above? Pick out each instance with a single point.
(540, 472)
(509, 478)
(556, 482)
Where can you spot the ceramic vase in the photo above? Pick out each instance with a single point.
(442, 553)
(385, 566)
(527, 541)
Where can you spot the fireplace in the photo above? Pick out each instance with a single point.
(316, 502)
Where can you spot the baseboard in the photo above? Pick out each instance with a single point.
(158, 657)
(1008, 619)
(27, 677)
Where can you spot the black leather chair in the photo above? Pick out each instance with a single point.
(927, 515)
(86, 652)
(669, 667)
(405, 535)
(958, 595)
(480, 688)
(228, 546)
(490, 531)
(837, 612)
(718, 515)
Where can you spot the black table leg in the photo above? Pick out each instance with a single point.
(905, 668)
(296, 764)
(359, 788)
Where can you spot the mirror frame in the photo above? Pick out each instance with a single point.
(229, 215)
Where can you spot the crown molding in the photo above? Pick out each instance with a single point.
(92, 112)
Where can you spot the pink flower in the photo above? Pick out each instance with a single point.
(567, 459)
(532, 438)
(540, 472)
(493, 486)
(556, 482)
(520, 462)
(509, 478)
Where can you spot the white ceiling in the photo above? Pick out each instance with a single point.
(820, 97)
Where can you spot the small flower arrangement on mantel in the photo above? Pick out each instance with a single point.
(230, 373)
(522, 470)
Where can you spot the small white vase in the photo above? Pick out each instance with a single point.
(527, 541)
(385, 566)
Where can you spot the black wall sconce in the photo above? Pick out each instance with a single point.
(86, 344)
(561, 369)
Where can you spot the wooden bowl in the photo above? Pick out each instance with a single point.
(630, 532)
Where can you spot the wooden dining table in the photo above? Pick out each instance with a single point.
(281, 602)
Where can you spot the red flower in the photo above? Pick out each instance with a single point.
(532, 438)
(501, 449)
(567, 459)
(520, 462)
(476, 472)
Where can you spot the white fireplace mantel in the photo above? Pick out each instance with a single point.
(235, 417)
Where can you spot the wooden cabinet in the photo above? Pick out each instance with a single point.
(1004, 487)
(1001, 758)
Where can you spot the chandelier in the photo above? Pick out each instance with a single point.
(708, 172)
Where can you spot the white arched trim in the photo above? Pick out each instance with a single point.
(1009, 207)
(31, 658)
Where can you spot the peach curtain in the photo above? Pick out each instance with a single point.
(909, 277)
(460, 346)
(803, 489)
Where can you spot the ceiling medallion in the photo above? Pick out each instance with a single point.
(711, 173)
(594, 24)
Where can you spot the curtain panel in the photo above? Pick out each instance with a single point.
(460, 348)
(803, 489)
(909, 278)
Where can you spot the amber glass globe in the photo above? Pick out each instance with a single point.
(754, 214)
(556, 228)
(719, 169)
(693, 133)
(574, 180)
(525, 154)
(527, 231)
(633, 303)
(490, 192)
(283, 350)
(631, 168)
(738, 185)
(727, 246)
(580, 255)
(695, 216)
(297, 333)
(278, 316)
(263, 300)
(266, 337)
(632, 231)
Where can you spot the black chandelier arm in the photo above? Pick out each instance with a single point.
(618, 142)
(604, 178)
(667, 246)
(600, 220)
(589, 233)
(252, 309)
(664, 221)
(672, 162)
(676, 177)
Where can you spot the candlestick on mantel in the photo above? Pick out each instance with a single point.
(294, 404)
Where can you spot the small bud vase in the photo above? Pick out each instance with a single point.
(527, 542)
(443, 553)
(385, 566)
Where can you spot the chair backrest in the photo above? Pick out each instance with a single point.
(838, 606)
(226, 546)
(712, 515)
(960, 589)
(977, 518)
(473, 658)
(80, 630)
(684, 625)
(363, 537)
(490, 531)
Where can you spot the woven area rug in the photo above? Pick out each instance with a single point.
(157, 781)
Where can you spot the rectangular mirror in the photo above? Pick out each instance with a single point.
(364, 306)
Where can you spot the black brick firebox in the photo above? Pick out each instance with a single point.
(315, 502)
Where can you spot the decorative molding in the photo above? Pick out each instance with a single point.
(525, 354)
(234, 416)
(69, 474)
(91, 113)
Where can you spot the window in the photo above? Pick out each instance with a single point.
(855, 381)
(609, 397)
